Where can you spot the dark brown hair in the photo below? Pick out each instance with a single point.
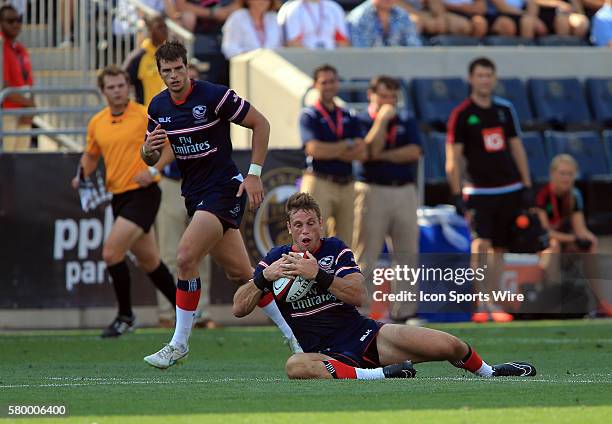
(274, 4)
(113, 71)
(170, 51)
(389, 82)
(301, 202)
(323, 68)
(485, 62)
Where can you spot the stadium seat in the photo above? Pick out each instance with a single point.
(599, 93)
(536, 155)
(561, 41)
(499, 40)
(453, 40)
(586, 147)
(434, 157)
(560, 103)
(436, 98)
(514, 90)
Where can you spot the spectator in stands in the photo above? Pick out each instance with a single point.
(332, 139)
(429, 16)
(564, 17)
(376, 23)
(17, 71)
(591, 7)
(251, 27)
(516, 17)
(467, 17)
(385, 195)
(205, 16)
(141, 64)
(313, 24)
(601, 34)
(483, 132)
(561, 211)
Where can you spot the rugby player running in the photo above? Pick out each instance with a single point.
(195, 117)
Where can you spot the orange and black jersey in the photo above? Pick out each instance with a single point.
(485, 135)
(119, 139)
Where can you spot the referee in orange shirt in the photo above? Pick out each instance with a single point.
(116, 134)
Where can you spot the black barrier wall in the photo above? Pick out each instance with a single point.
(51, 251)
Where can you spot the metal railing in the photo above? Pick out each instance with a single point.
(45, 114)
(91, 34)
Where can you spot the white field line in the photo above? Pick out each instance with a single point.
(112, 381)
(560, 340)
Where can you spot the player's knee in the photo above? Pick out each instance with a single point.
(186, 261)
(298, 367)
(238, 278)
(148, 264)
(111, 255)
(294, 367)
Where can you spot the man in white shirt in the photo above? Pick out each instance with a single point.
(313, 24)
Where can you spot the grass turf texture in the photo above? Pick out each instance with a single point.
(236, 375)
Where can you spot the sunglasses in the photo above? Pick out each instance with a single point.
(11, 21)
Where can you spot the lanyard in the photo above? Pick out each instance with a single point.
(260, 33)
(391, 135)
(315, 23)
(337, 128)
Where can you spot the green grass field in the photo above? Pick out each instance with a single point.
(236, 375)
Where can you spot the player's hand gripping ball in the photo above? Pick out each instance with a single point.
(291, 289)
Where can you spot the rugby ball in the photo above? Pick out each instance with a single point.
(291, 289)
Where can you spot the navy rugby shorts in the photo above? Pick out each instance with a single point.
(357, 347)
(222, 202)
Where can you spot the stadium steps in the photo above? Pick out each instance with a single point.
(35, 35)
(54, 58)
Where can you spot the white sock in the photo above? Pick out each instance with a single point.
(485, 370)
(272, 311)
(182, 331)
(369, 373)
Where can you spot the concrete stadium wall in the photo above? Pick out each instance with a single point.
(275, 82)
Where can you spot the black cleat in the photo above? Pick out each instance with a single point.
(514, 369)
(401, 370)
(119, 326)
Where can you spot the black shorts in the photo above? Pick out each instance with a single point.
(493, 216)
(357, 348)
(515, 18)
(222, 202)
(139, 206)
(548, 15)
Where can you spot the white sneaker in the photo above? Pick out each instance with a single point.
(167, 356)
(294, 345)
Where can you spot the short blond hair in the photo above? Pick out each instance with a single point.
(563, 158)
(301, 202)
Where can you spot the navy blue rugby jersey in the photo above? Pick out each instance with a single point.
(198, 130)
(319, 318)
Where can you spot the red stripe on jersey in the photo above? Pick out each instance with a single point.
(452, 120)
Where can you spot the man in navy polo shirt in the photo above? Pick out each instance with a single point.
(386, 199)
(332, 139)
